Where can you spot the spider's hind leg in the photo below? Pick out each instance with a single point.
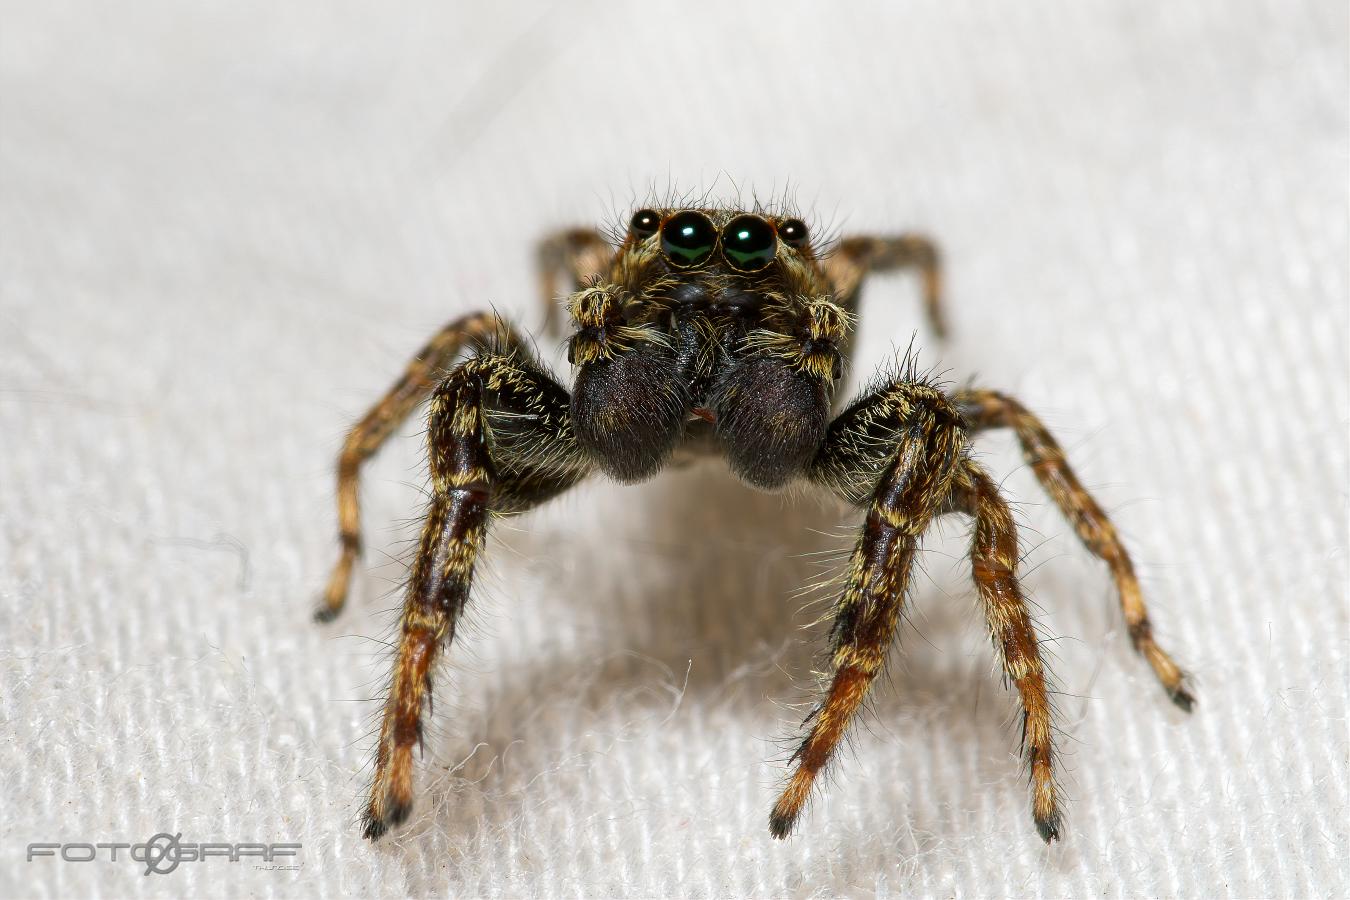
(990, 409)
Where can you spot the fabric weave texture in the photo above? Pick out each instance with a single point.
(224, 227)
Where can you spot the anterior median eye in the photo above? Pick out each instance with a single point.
(645, 223)
(748, 243)
(687, 239)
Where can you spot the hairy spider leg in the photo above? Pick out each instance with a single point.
(927, 448)
(994, 557)
(582, 253)
(985, 410)
(474, 473)
(368, 435)
(851, 261)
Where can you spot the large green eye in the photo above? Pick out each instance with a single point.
(644, 224)
(748, 243)
(687, 239)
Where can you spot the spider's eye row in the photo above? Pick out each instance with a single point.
(793, 232)
(645, 223)
(748, 243)
(688, 239)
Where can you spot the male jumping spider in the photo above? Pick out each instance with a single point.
(720, 331)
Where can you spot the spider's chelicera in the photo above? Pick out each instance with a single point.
(720, 331)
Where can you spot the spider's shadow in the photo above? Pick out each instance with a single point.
(690, 571)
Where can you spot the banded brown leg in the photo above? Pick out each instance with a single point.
(534, 458)
(994, 557)
(989, 409)
(913, 486)
(369, 434)
(856, 257)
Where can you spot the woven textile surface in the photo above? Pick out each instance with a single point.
(225, 226)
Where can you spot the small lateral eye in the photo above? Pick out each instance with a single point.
(688, 239)
(748, 243)
(793, 232)
(645, 223)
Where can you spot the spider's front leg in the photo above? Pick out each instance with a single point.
(894, 452)
(499, 437)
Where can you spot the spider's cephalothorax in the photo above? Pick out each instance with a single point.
(720, 331)
(713, 328)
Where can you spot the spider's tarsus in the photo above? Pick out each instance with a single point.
(325, 614)
(1049, 828)
(1183, 698)
(781, 824)
(376, 828)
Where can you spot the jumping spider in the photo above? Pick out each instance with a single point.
(720, 331)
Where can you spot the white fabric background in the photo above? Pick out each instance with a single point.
(226, 225)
